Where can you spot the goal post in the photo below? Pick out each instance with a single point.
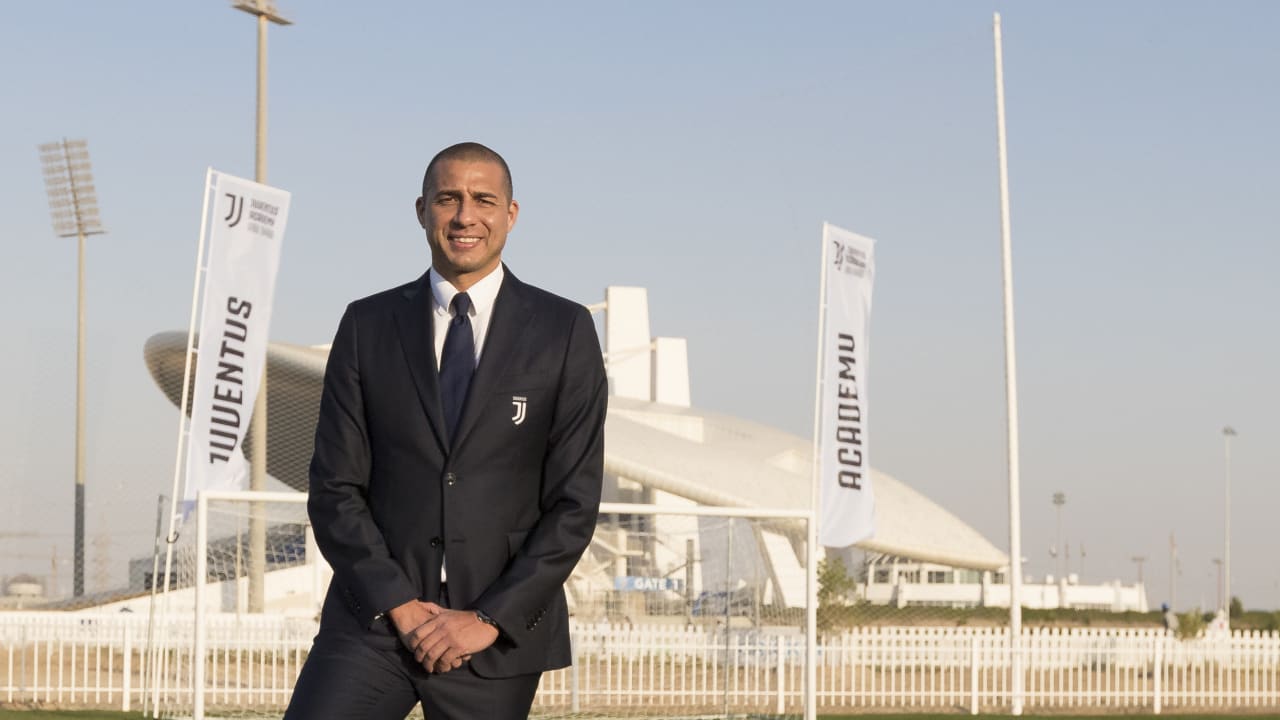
(684, 610)
(239, 663)
(257, 502)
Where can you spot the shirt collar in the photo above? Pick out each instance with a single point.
(483, 294)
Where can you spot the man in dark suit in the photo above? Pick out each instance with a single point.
(456, 478)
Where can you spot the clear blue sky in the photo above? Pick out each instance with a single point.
(696, 148)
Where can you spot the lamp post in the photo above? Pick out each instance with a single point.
(265, 11)
(1139, 560)
(1228, 432)
(1060, 499)
(73, 205)
(1218, 585)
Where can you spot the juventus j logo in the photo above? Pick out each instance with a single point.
(237, 207)
(519, 403)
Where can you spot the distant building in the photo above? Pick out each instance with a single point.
(21, 591)
(891, 580)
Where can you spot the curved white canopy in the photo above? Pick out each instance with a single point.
(715, 459)
(709, 458)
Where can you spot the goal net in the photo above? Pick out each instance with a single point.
(241, 610)
(684, 612)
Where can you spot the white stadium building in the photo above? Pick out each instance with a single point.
(659, 450)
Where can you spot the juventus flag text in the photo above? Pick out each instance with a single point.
(245, 234)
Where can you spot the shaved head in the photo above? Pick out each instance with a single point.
(468, 152)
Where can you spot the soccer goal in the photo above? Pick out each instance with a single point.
(685, 611)
(677, 611)
(240, 612)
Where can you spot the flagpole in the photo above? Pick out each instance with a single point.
(178, 462)
(186, 366)
(1011, 393)
(815, 494)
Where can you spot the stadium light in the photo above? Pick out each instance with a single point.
(73, 207)
(265, 11)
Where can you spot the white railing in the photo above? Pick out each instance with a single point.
(102, 660)
(71, 659)
(89, 660)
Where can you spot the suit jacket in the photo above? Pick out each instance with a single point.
(512, 499)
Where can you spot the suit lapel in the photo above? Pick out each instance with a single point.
(413, 319)
(512, 314)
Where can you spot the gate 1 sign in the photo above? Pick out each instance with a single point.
(647, 584)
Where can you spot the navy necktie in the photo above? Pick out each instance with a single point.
(457, 362)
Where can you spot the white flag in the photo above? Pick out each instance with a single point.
(847, 502)
(245, 234)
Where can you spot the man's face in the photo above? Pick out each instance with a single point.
(467, 215)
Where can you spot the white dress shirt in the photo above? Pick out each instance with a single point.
(482, 294)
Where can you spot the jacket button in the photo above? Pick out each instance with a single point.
(450, 478)
(436, 542)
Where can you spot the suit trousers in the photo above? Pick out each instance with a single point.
(350, 677)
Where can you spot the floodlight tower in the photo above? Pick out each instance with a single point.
(73, 206)
(265, 10)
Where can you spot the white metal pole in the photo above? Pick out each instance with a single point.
(186, 365)
(1227, 434)
(126, 685)
(815, 496)
(258, 425)
(1157, 682)
(151, 611)
(186, 381)
(180, 456)
(202, 576)
(606, 508)
(260, 124)
(1011, 392)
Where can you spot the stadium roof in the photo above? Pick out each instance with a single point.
(716, 459)
(709, 458)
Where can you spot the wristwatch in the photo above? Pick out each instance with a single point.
(483, 617)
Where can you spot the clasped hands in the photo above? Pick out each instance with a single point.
(439, 638)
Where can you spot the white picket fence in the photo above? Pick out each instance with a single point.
(72, 660)
(103, 661)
